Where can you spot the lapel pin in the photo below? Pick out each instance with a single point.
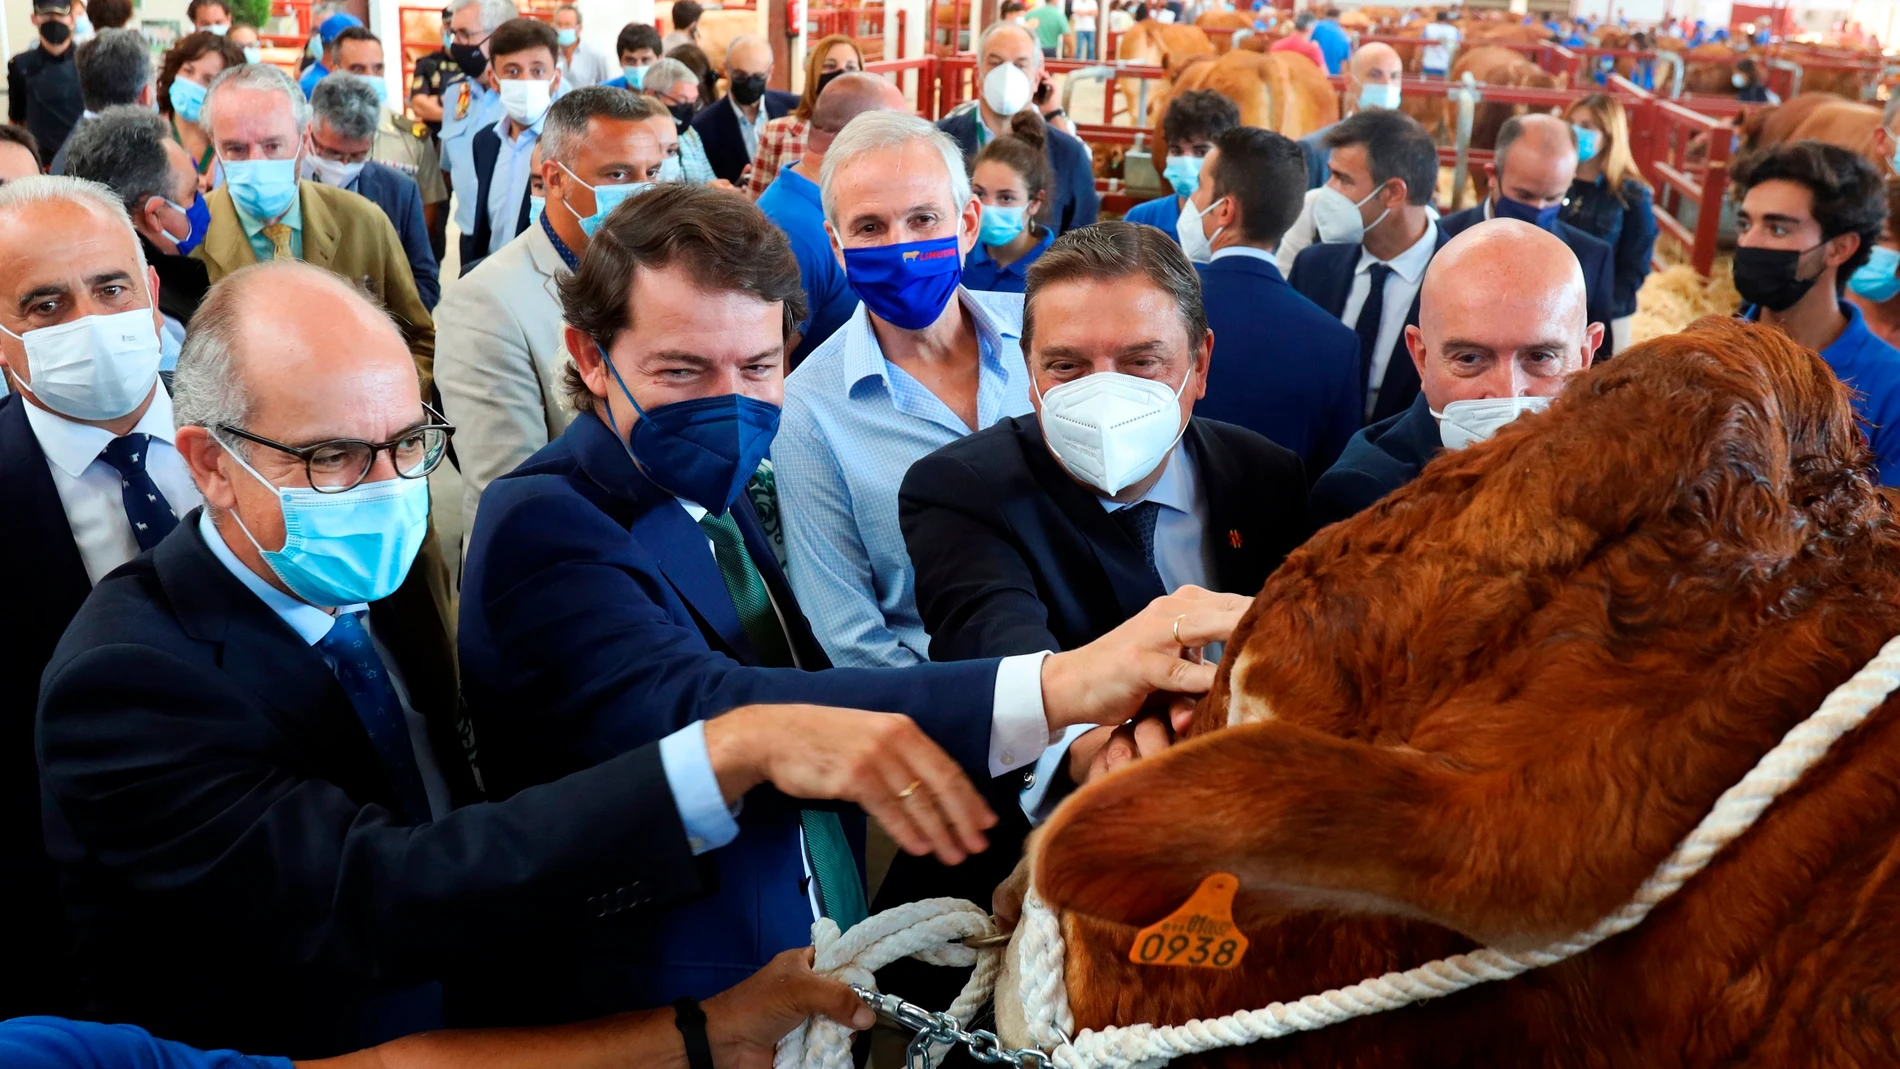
(1233, 538)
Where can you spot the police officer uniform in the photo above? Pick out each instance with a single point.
(468, 107)
(407, 147)
(434, 74)
(43, 88)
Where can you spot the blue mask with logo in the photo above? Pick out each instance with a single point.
(376, 84)
(703, 450)
(1541, 218)
(187, 97)
(350, 547)
(199, 215)
(906, 285)
(1879, 278)
(1183, 173)
(1589, 143)
(606, 199)
(1001, 224)
(263, 188)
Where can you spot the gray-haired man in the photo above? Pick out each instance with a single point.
(345, 115)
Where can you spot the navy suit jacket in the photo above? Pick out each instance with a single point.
(718, 127)
(1282, 367)
(487, 149)
(399, 198)
(224, 827)
(1323, 274)
(1378, 460)
(1073, 201)
(594, 621)
(1593, 253)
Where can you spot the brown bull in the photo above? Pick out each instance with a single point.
(1156, 44)
(1710, 68)
(1822, 117)
(1484, 710)
(1282, 92)
(1220, 27)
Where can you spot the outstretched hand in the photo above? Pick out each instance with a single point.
(1109, 680)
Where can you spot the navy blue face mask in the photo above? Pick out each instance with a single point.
(1541, 218)
(906, 285)
(704, 449)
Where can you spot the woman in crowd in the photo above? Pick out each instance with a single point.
(1609, 199)
(696, 61)
(184, 75)
(782, 140)
(1011, 177)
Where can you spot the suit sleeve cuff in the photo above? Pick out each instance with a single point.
(1037, 800)
(703, 811)
(1019, 729)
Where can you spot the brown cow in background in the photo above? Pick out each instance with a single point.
(1484, 710)
(1493, 65)
(1283, 92)
(1822, 117)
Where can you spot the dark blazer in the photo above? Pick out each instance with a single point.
(47, 586)
(1378, 460)
(224, 830)
(1599, 263)
(594, 621)
(487, 149)
(1282, 367)
(718, 127)
(399, 198)
(1323, 274)
(1318, 157)
(1073, 201)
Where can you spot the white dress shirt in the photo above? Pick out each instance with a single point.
(590, 66)
(1408, 270)
(92, 491)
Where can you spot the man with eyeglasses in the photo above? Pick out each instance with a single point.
(345, 111)
(257, 782)
(468, 105)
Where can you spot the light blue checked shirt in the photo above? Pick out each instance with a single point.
(852, 426)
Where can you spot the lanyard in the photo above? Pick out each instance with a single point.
(204, 162)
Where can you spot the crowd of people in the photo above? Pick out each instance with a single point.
(817, 460)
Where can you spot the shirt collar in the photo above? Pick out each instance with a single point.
(310, 622)
(292, 218)
(72, 447)
(1244, 250)
(1175, 488)
(1410, 264)
(799, 184)
(1020, 266)
(864, 359)
(566, 254)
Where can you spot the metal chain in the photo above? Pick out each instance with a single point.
(940, 1028)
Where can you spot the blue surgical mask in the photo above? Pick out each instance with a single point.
(1379, 96)
(908, 284)
(187, 97)
(703, 450)
(82, 28)
(606, 199)
(1895, 158)
(253, 54)
(536, 205)
(376, 84)
(263, 188)
(1542, 218)
(1879, 278)
(1589, 142)
(200, 216)
(1183, 173)
(636, 76)
(349, 547)
(1000, 224)
(567, 37)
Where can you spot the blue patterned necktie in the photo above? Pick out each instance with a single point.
(151, 515)
(365, 680)
(1138, 520)
(1368, 325)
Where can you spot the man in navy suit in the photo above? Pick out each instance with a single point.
(729, 128)
(620, 587)
(1502, 327)
(1530, 177)
(1376, 238)
(1073, 201)
(1283, 367)
(345, 112)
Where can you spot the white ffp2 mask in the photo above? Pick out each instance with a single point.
(1110, 430)
(1007, 90)
(1336, 216)
(1465, 423)
(96, 367)
(526, 100)
(1191, 226)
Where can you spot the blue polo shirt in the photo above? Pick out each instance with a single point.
(312, 74)
(1333, 44)
(56, 1043)
(980, 272)
(1162, 213)
(793, 203)
(1871, 368)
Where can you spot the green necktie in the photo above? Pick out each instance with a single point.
(840, 890)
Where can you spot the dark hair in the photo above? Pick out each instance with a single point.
(1396, 147)
(1025, 150)
(109, 14)
(1115, 249)
(123, 149)
(1849, 197)
(1199, 115)
(724, 242)
(686, 14)
(192, 9)
(1746, 68)
(1444, 16)
(1893, 199)
(113, 68)
(634, 36)
(1304, 20)
(522, 35)
(24, 138)
(1011, 7)
(1265, 174)
(189, 49)
(354, 33)
(695, 59)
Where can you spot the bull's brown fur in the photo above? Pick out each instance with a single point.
(1483, 710)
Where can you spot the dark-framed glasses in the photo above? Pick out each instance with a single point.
(342, 464)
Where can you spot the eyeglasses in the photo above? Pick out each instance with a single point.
(343, 463)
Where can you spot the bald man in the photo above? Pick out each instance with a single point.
(1372, 81)
(1502, 325)
(1530, 177)
(730, 127)
(792, 202)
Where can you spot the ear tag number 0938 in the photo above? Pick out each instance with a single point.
(1200, 935)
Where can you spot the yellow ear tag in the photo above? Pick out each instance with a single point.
(1201, 934)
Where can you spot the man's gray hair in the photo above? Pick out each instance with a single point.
(347, 105)
(114, 68)
(666, 73)
(42, 189)
(260, 76)
(565, 129)
(494, 12)
(123, 149)
(876, 131)
(999, 26)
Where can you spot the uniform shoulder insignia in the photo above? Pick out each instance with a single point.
(419, 130)
(462, 102)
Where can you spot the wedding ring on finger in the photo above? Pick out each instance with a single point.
(910, 789)
(1177, 630)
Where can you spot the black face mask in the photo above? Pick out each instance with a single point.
(826, 79)
(682, 113)
(749, 89)
(1767, 276)
(55, 33)
(470, 59)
